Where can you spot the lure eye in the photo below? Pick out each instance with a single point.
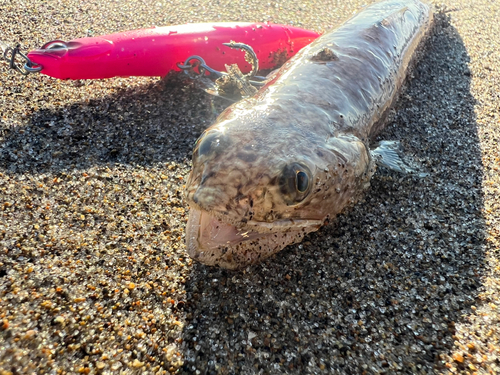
(294, 183)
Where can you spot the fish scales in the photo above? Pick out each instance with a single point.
(276, 166)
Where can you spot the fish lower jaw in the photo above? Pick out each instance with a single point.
(213, 242)
(284, 225)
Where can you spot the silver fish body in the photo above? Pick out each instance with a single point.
(275, 166)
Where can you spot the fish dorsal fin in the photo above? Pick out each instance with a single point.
(393, 17)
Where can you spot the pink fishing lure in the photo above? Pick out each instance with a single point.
(156, 51)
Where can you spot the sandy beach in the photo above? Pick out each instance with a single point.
(94, 276)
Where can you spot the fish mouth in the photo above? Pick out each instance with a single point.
(214, 242)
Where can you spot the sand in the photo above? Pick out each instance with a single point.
(94, 277)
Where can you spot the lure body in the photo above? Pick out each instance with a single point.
(276, 166)
(156, 51)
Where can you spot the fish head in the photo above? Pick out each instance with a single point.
(249, 194)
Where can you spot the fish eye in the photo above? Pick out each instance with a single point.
(294, 183)
(207, 143)
(301, 181)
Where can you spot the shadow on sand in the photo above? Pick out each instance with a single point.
(380, 290)
(144, 125)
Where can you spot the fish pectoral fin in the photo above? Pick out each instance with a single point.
(388, 154)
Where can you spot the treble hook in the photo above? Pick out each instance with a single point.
(250, 56)
(202, 66)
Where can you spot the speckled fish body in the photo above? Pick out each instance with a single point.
(275, 166)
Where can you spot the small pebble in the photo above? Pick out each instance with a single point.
(100, 365)
(137, 363)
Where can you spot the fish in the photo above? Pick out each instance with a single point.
(280, 164)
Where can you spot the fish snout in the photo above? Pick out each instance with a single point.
(222, 202)
(206, 197)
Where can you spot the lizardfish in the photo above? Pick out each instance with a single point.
(276, 166)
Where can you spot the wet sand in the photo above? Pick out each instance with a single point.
(94, 277)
